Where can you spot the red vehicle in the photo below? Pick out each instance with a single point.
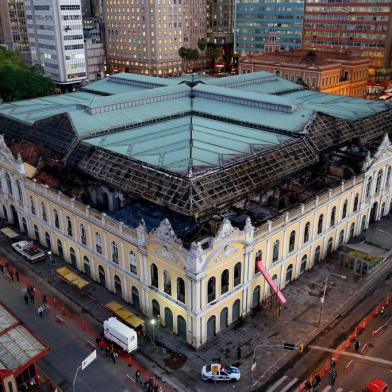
(378, 385)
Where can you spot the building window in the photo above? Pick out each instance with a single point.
(56, 219)
(341, 238)
(289, 273)
(352, 231)
(363, 223)
(303, 264)
(167, 282)
(36, 233)
(258, 258)
(356, 201)
(368, 187)
(345, 205)
(60, 251)
(98, 246)
(211, 289)
(132, 263)
(154, 275)
(320, 224)
(9, 183)
(69, 226)
(32, 205)
(379, 180)
(275, 251)
(181, 290)
(114, 252)
(333, 217)
(237, 274)
(43, 209)
(225, 281)
(83, 236)
(292, 241)
(388, 179)
(19, 188)
(306, 233)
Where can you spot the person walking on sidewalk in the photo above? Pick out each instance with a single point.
(40, 311)
(382, 312)
(114, 357)
(333, 363)
(357, 344)
(26, 299)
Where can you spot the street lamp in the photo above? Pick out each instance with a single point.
(322, 299)
(152, 322)
(50, 262)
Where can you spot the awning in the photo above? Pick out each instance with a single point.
(9, 233)
(71, 277)
(124, 314)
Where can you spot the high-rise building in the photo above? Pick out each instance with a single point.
(144, 36)
(256, 20)
(95, 48)
(56, 41)
(220, 20)
(13, 32)
(362, 26)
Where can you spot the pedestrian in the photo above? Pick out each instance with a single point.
(39, 311)
(382, 311)
(333, 377)
(17, 276)
(26, 299)
(357, 344)
(114, 357)
(316, 381)
(44, 299)
(333, 363)
(107, 351)
(137, 376)
(44, 309)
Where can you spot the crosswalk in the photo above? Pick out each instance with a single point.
(286, 384)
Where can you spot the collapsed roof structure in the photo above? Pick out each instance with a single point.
(194, 145)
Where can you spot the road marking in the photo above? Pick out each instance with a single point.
(289, 385)
(326, 389)
(363, 357)
(277, 383)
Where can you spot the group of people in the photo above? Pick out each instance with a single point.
(150, 385)
(111, 353)
(29, 294)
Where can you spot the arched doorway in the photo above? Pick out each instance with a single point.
(289, 273)
(330, 246)
(101, 276)
(36, 233)
(6, 214)
(211, 327)
(224, 318)
(373, 213)
(181, 327)
(72, 256)
(47, 241)
(363, 224)
(256, 297)
(236, 310)
(156, 309)
(303, 264)
(24, 225)
(86, 266)
(341, 238)
(135, 298)
(14, 215)
(60, 251)
(117, 286)
(382, 210)
(169, 319)
(352, 231)
(317, 255)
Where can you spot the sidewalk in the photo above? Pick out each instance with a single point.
(297, 324)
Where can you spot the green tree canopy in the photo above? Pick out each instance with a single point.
(202, 44)
(17, 81)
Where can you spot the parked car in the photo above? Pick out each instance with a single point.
(378, 385)
(220, 372)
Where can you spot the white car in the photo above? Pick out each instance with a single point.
(218, 372)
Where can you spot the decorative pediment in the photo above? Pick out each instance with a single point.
(381, 150)
(165, 231)
(225, 230)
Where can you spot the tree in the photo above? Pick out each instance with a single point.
(182, 52)
(202, 44)
(17, 81)
(193, 54)
(213, 54)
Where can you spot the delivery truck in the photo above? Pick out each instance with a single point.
(121, 334)
(29, 251)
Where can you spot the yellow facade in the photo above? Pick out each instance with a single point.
(132, 261)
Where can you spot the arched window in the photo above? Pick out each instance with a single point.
(211, 289)
(69, 226)
(344, 212)
(211, 327)
(388, 179)
(83, 236)
(32, 205)
(259, 257)
(225, 281)
(379, 180)
(181, 327)
(289, 273)
(181, 290)
(60, 251)
(36, 233)
(236, 310)
(98, 246)
(19, 188)
(154, 275)
(224, 318)
(237, 274)
(9, 183)
(356, 202)
(167, 282)
(369, 187)
(333, 217)
(132, 263)
(256, 296)
(320, 224)
(114, 252)
(47, 241)
(341, 238)
(56, 219)
(352, 231)
(135, 297)
(363, 223)
(43, 209)
(330, 246)
(275, 252)
(72, 256)
(382, 209)
(292, 241)
(317, 253)
(24, 226)
(306, 232)
(156, 309)
(303, 264)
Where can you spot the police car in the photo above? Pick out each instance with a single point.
(220, 372)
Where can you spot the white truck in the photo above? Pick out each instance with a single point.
(121, 334)
(29, 251)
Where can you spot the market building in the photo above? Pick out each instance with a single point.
(172, 192)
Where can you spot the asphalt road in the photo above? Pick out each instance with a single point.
(68, 347)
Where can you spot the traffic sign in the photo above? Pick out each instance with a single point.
(89, 359)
